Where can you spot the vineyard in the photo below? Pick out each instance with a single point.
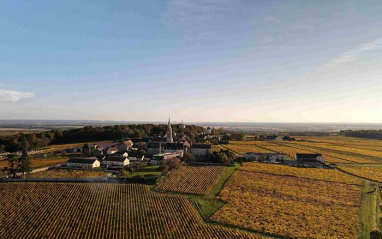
(192, 179)
(57, 173)
(244, 148)
(81, 210)
(285, 202)
(329, 175)
(372, 173)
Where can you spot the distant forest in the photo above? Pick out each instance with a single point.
(89, 133)
(367, 134)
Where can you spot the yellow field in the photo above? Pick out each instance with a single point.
(373, 173)
(61, 173)
(192, 179)
(331, 156)
(329, 175)
(244, 148)
(265, 198)
(96, 210)
(41, 162)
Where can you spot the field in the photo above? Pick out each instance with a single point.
(310, 203)
(368, 172)
(60, 173)
(192, 179)
(334, 149)
(84, 210)
(41, 162)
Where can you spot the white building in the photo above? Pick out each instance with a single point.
(174, 148)
(91, 162)
(265, 157)
(115, 161)
(201, 149)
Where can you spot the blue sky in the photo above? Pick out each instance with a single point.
(211, 60)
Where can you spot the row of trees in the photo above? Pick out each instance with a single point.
(368, 134)
(16, 165)
(89, 133)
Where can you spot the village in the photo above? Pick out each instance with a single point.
(174, 148)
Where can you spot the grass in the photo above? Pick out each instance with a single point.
(209, 204)
(369, 210)
(149, 171)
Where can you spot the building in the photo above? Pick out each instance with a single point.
(310, 158)
(169, 138)
(154, 148)
(265, 157)
(201, 149)
(125, 145)
(209, 130)
(136, 159)
(91, 162)
(112, 149)
(115, 161)
(74, 150)
(159, 159)
(174, 148)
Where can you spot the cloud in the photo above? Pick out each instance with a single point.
(353, 55)
(13, 96)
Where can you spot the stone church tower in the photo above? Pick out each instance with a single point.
(169, 138)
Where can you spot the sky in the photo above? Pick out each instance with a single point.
(192, 60)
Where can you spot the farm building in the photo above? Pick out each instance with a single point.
(159, 159)
(201, 149)
(310, 158)
(265, 157)
(91, 162)
(115, 161)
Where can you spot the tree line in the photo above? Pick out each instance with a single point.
(367, 134)
(30, 141)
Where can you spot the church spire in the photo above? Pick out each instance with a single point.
(169, 138)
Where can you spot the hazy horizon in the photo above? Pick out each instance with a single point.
(197, 61)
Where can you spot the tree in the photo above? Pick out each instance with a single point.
(188, 157)
(223, 158)
(2, 148)
(12, 165)
(24, 164)
(86, 149)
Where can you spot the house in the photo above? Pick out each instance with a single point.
(91, 162)
(201, 149)
(74, 150)
(115, 161)
(265, 157)
(112, 149)
(174, 148)
(125, 145)
(154, 148)
(310, 158)
(136, 159)
(159, 159)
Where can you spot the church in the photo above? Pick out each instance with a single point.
(179, 147)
